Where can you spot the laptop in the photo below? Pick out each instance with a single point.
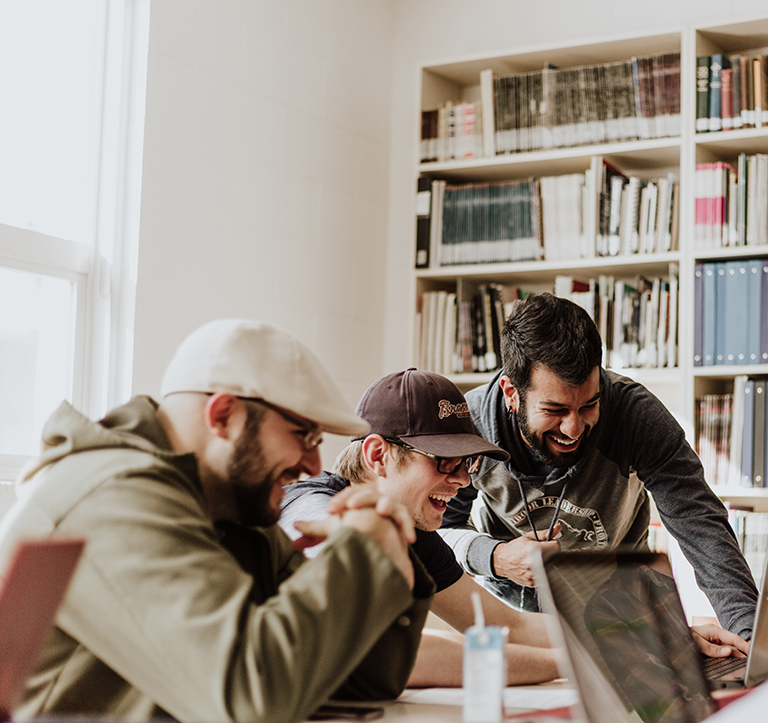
(628, 649)
(745, 672)
(32, 587)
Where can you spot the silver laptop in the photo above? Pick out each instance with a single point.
(745, 672)
(628, 647)
(32, 587)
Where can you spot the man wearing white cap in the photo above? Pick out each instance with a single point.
(189, 600)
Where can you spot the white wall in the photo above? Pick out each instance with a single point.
(266, 177)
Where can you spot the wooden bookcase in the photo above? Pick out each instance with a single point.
(458, 81)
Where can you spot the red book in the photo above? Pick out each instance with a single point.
(726, 99)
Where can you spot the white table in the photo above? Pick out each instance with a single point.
(443, 705)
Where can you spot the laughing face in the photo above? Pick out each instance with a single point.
(424, 491)
(555, 419)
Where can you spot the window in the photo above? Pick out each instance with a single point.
(72, 85)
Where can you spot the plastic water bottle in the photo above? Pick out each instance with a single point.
(485, 669)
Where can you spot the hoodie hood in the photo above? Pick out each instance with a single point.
(131, 426)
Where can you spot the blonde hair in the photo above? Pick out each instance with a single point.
(350, 464)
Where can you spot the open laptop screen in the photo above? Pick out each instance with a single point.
(623, 611)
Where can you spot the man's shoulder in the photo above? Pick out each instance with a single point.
(324, 485)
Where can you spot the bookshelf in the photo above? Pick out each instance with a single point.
(647, 158)
(673, 156)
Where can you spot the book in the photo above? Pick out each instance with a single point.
(747, 433)
(737, 430)
(702, 93)
(488, 113)
(423, 218)
(754, 309)
(736, 103)
(698, 315)
(735, 312)
(717, 62)
(720, 306)
(764, 314)
(726, 98)
(709, 318)
(758, 451)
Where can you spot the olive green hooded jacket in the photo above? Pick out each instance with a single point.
(160, 619)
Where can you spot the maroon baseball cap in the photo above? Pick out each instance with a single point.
(426, 411)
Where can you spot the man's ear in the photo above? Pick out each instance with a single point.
(511, 396)
(224, 415)
(375, 453)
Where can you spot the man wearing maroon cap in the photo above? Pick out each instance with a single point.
(420, 450)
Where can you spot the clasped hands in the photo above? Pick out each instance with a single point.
(378, 516)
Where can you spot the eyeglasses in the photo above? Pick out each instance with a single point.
(313, 434)
(445, 465)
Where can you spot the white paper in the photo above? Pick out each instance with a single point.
(538, 697)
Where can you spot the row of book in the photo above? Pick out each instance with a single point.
(601, 212)
(637, 322)
(637, 319)
(732, 203)
(452, 132)
(731, 434)
(731, 312)
(731, 91)
(560, 107)
(462, 336)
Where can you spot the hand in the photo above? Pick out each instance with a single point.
(718, 643)
(381, 529)
(510, 559)
(359, 497)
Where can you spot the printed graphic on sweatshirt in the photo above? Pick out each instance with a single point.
(582, 526)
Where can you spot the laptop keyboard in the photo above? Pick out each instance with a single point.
(715, 667)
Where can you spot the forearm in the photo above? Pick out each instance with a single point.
(526, 665)
(440, 659)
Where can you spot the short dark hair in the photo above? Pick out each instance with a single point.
(545, 330)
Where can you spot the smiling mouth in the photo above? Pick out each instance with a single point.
(440, 501)
(564, 442)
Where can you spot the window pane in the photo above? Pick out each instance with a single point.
(37, 331)
(52, 57)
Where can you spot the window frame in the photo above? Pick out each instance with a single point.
(103, 271)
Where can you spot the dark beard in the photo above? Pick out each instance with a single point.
(539, 445)
(250, 481)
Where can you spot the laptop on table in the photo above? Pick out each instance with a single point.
(750, 671)
(32, 587)
(628, 649)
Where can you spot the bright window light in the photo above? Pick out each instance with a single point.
(37, 331)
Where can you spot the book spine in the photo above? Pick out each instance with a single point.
(758, 452)
(702, 93)
(715, 85)
(423, 220)
(748, 433)
(726, 98)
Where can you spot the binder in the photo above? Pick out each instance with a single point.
(735, 311)
(698, 315)
(754, 310)
(764, 316)
(708, 314)
(720, 308)
(748, 433)
(423, 220)
(758, 451)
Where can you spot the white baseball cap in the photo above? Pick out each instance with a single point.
(260, 361)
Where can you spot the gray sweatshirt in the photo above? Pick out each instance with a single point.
(636, 447)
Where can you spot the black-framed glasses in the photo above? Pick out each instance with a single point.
(312, 433)
(445, 465)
